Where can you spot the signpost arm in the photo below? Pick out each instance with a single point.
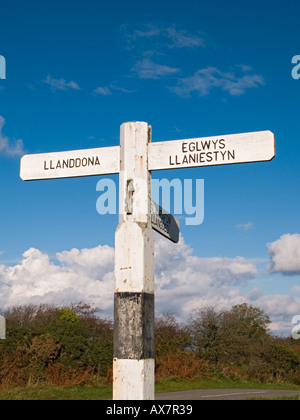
(133, 363)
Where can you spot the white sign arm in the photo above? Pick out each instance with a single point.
(75, 163)
(209, 151)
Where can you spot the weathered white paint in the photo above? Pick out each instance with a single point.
(164, 223)
(134, 261)
(137, 379)
(134, 253)
(208, 151)
(2, 328)
(75, 163)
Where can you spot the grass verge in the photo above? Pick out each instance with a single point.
(167, 385)
(47, 392)
(102, 391)
(295, 398)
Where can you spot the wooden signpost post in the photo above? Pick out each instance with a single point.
(134, 159)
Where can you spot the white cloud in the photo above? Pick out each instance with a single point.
(183, 281)
(282, 309)
(285, 254)
(204, 80)
(245, 226)
(296, 289)
(147, 69)
(60, 84)
(254, 294)
(169, 36)
(85, 275)
(104, 91)
(8, 147)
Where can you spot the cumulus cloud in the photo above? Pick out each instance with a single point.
(60, 84)
(8, 147)
(183, 281)
(285, 254)
(85, 275)
(254, 294)
(204, 80)
(282, 309)
(296, 289)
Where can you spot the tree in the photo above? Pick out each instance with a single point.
(205, 330)
(228, 336)
(170, 336)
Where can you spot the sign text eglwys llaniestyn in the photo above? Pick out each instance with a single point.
(203, 151)
(208, 151)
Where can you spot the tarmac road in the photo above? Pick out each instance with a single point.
(224, 394)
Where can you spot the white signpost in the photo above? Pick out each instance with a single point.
(134, 159)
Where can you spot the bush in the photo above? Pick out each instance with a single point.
(183, 366)
(73, 345)
(170, 336)
(55, 345)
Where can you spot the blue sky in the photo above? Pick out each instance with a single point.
(77, 70)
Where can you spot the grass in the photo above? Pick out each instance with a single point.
(295, 398)
(166, 385)
(102, 392)
(47, 392)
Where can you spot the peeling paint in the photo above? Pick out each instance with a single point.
(134, 326)
(134, 271)
(135, 379)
